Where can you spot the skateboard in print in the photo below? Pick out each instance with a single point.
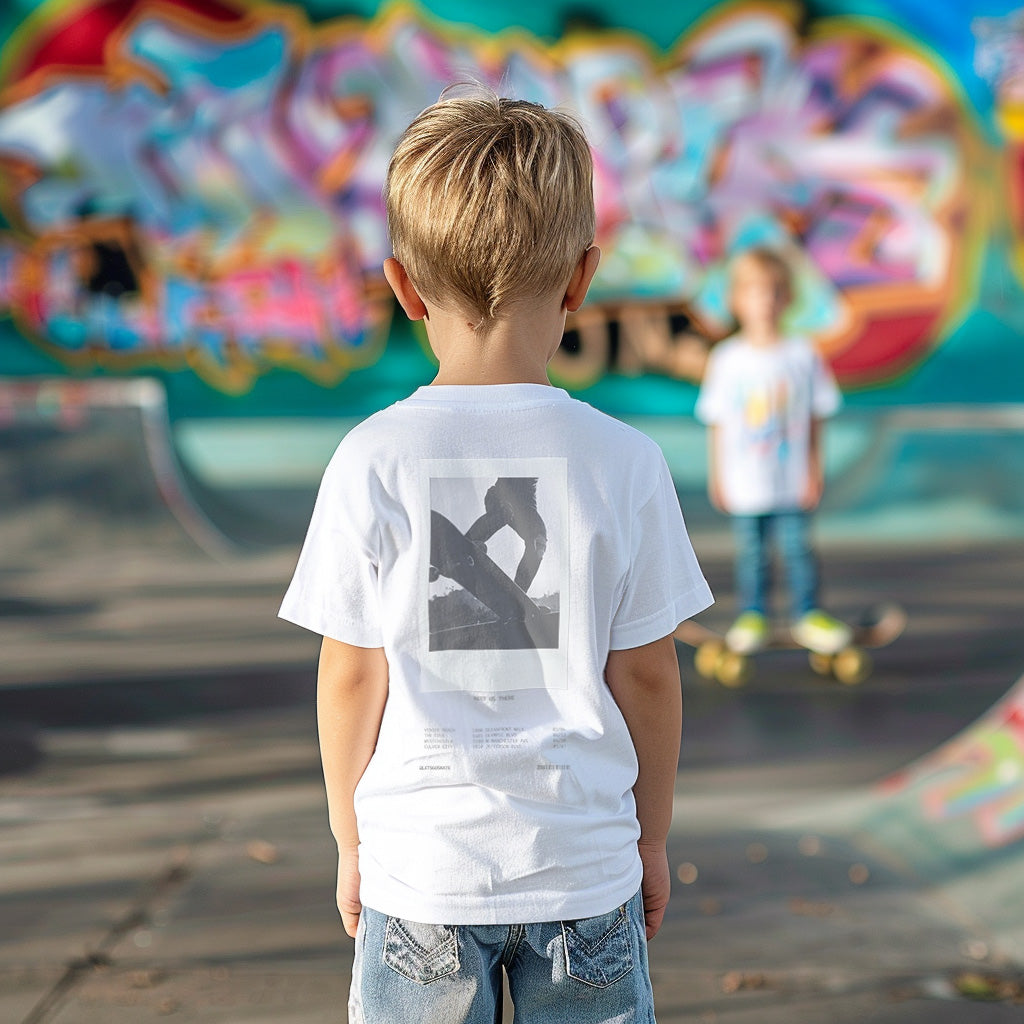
(520, 621)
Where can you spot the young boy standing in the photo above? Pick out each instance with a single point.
(764, 396)
(497, 570)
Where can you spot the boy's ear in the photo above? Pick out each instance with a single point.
(576, 292)
(405, 291)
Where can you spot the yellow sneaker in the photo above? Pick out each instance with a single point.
(822, 633)
(748, 633)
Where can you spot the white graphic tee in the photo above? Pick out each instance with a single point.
(763, 398)
(497, 541)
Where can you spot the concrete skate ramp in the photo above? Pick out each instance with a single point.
(115, 565)
(102, 455)
(82, 463)
(922, 475)
(952, 823)
(927, 474)
(891, 774)
(963, 803)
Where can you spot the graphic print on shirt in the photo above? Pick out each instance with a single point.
(765, 407)
(495, 572)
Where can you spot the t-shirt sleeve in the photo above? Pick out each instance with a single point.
(334, 589)
(825, 396)
(712, 400)
(664, 584)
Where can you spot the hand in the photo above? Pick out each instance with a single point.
(716, 495)
(656, 886)
(813, 490)
(348, 889)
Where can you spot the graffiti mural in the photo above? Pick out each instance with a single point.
(978, 776)
(169, 216)
(198, 184)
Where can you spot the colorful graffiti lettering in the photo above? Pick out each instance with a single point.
(999, 59)
(200, 185)
(979, 775)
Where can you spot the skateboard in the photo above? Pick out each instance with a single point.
(851, 665)
(520, 621)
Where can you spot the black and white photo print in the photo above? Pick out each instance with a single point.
(496, 571)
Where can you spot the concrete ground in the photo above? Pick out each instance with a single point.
(164, 852)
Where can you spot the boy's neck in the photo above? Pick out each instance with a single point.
(761, 335)
(465, 373)
(516, 350)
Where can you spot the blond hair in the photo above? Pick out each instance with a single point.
(490, 202)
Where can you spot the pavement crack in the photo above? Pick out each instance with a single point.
(172, 877)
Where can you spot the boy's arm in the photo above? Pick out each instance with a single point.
(815, 473)
(645, 684)
(352, 689)
(714, 483)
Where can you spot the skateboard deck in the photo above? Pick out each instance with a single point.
(520, 621)
(851, 665)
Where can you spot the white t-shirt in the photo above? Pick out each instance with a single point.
(500, 788)
(763, 398)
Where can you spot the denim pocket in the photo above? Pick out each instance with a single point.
(420, 952)
(597, 949)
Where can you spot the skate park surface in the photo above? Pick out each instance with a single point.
(841, 853)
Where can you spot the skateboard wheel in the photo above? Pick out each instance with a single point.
(821, 663)
(733, 670)
(851, 666)
(705, 658)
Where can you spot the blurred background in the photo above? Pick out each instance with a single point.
(191, 235)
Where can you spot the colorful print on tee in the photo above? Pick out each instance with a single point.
(496, 570)
(766, 413)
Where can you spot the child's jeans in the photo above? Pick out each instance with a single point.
(791, 532)
(592, 971)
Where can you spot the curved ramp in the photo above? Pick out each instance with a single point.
(94, 456)
(112, 568)
(965, 800)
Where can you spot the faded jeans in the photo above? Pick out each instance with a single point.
(592, 971)
(791, 533)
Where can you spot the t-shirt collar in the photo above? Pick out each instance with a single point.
(489, 394)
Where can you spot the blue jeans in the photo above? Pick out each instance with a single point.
(791, 532)
(559, 972)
